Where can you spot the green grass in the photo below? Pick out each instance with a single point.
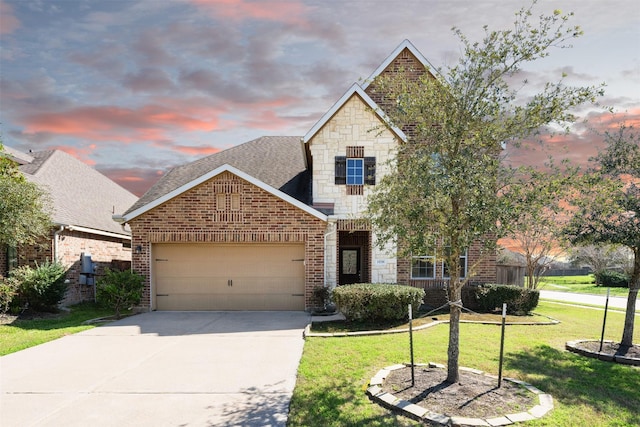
(578, 284)
(333, 372)
(21, 334)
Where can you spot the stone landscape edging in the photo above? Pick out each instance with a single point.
(574, 347)
(418, 413)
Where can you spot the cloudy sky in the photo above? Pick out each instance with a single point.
(133, 87)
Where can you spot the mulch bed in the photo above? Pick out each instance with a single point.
(611, 348)
(474, 396)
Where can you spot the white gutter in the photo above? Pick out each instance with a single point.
(98, 232)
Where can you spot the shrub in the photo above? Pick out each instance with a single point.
(519, 300)
(119, 289)
(8, 290)
(41, 288)
(612, 279)
(374, 302)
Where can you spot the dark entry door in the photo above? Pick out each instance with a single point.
(350, 266)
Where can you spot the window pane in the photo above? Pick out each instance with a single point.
(422, 268)
(355, 171)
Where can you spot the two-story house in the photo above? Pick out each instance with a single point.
(259, 226)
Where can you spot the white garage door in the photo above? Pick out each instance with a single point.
(228, 276)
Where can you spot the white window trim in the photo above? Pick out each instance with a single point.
(428, 257)
(466, 266)
(362, 168)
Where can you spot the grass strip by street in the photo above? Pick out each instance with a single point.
(578, 284)
(333, 372)
(29, 332)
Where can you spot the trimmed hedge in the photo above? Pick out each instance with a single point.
(375, 302)
(612, 279)
(519, 300)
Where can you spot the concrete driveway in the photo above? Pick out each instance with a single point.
(159, 369)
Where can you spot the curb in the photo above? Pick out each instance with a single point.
(418, 413)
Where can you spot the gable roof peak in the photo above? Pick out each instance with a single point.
(357, 90)
(406, 44)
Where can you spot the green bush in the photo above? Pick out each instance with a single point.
(41, 288)
(519, 300)
(375, 302)
(8, 290)
(612, 279)
(119, 289)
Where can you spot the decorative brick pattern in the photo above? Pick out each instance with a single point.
(189, 218)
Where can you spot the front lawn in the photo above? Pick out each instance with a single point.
(334, 372)
(578, 284)
(32, 330)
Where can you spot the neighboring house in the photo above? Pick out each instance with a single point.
(83, 202)
(260, 225)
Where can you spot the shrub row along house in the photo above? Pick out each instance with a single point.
(83, 203)
(261, 225)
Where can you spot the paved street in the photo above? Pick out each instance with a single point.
(614, 302)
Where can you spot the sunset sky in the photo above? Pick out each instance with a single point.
(134, 87)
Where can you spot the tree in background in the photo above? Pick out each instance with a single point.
(608, 208)
(24, 207)
(448, 184)
(602, 257)
(537, 231)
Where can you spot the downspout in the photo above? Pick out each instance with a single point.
(56, 235)
(326, 271)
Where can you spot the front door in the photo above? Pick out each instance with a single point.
(350, 266)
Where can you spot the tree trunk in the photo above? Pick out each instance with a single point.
(455, 293)
(634, 285)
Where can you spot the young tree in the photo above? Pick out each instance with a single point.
(608, 208)
(538, 230)
(448, 183)
(24, 207)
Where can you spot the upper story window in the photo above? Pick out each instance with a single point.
(365, 167)
(355, 171)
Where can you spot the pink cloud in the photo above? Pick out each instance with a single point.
(202, 150)
(81, 154)
(286, 11)
(269, 120)
(151, 122)
(8, 21)
(137, 180)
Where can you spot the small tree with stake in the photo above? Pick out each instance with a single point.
(608, 207)
(448, 184)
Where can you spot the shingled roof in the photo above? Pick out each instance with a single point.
(81, 196)
(275, 160)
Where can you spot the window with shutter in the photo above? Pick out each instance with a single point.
(341, 170)
(370, 170)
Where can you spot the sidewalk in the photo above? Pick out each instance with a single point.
(614, 302)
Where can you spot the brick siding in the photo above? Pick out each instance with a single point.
(105, 251)
(261, 217)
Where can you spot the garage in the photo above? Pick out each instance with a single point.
(203, 276)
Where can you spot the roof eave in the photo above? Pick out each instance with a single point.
(122, 219)
(406, 44)
(354, 89)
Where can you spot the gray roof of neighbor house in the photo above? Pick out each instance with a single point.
(81, 196)
(275, 160)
